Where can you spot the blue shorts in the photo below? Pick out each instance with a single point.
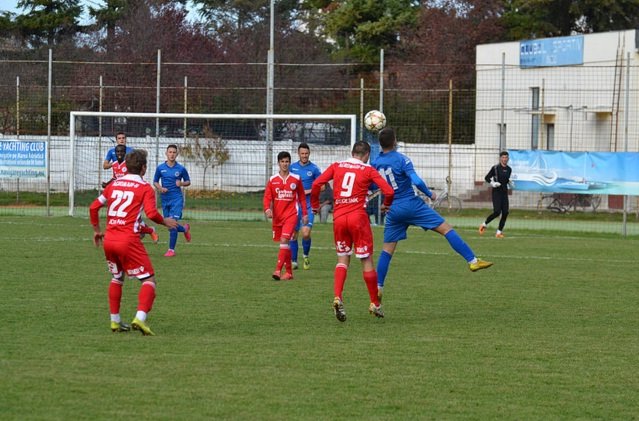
(405, 213)
(311, 218)
(172, 209)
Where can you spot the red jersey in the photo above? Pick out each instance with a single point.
(125, 198)
(352, 180)
(119, 169)
(286, 195)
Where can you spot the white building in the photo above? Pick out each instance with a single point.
(577, 93)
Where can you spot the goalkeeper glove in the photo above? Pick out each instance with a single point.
(511, 184)
(495, 184)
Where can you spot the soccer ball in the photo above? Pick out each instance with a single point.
(374, 120)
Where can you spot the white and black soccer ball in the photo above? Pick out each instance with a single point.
(374, 120)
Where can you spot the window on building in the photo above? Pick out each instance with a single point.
(534, 126)
(550, 136)
(502, 136)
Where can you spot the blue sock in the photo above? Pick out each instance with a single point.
(293, 245)
(306, 246)
(382, 267)
(173, 234)
(460, 245)
(181, 228)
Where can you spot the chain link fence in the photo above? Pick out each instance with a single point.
(450, 128)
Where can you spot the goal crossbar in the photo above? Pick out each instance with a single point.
(268, 117)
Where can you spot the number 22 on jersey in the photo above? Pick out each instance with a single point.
(121, 200)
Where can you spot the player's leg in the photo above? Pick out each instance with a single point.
(146, 229)
(135, 258)
(383, 263)
(343, 243)
(146, 297)
(277, 237)
(398, 220)
(183, 228)
(363, 244)
(306, 241)
(461, 247)
(285, 252)
(293, 243)
(339, 279)
(504, 209)
(115, 286)
(174, 210)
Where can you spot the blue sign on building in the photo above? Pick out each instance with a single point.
(547, 52)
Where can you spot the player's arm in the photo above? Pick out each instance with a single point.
(151, 210)
(267, 201)
(94, 217)
(386, 188)
(490, 175)
(301, 199)
(156, 181)
(420, 184)
(108, 159)
(317, 187)
(185, 181)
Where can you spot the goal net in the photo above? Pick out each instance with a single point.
(229, 157)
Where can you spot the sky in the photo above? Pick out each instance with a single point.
(10, 6)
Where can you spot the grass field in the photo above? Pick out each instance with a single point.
(550, 332)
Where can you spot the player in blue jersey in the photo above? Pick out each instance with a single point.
(169, 179)
(308, 172)
(111, 157)
(409, 209)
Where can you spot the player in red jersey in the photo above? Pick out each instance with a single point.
(283, 196)
(125, 199)
(351, 227)
(119, 170)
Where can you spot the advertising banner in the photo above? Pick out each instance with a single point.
(23, 159)
(576, 172)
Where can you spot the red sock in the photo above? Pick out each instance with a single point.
(287, 261)
(281, 257)
(115, 296)
(146, 296)
(145, 229)
(340, 278)
(370, 278)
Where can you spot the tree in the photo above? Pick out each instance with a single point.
(446, 35)
(529, 19)
(208, 151)
(358, 29)
(47, 23)
(231, 18)
(108, 16)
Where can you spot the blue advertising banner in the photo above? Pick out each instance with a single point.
(546, 52)
(23, 159)
(576, 172)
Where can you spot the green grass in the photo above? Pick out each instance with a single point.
(550, 332)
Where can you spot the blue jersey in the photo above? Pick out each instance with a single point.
(396, 168)
(110, 156)
(169, 175)
(407, 208)
(307, 173)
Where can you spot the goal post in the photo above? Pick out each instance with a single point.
(226, 154)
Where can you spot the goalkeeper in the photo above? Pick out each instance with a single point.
(499, 179)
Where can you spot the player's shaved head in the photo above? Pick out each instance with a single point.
(135, 161)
